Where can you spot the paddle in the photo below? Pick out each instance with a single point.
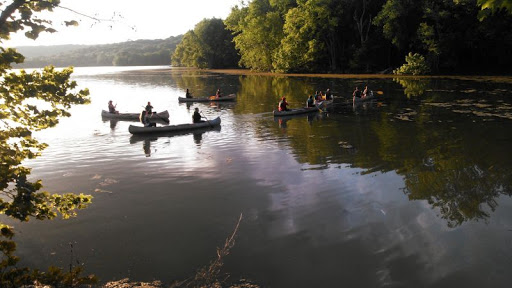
(379, 92)
(206, 119)
(320, 110)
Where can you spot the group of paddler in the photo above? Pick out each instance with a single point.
(148, 113)
(312, 101)
(358, 94)
(218, 94)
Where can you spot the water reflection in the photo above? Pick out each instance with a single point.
(435, 151)
(413, 86)
(376, 185)
(283, 120)
(146, 146)
(146, 140)
(113, 124)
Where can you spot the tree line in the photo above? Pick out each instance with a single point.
(355, 36)
(130, 53)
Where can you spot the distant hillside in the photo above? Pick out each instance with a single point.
(44, 51)
(131, 53)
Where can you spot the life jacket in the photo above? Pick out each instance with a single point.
(282, 105)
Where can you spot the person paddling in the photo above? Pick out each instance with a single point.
(112, 108)
(328, 94)
(310, 102)
(218, 94)
(149, 108)
(145, 119)
(365, 92)
(187, 94)
(357, 93)
(283, 105)
(196, 117)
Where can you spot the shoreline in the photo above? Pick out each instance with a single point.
(247, 72)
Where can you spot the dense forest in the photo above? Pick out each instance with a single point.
(131, 53)
(359, 36)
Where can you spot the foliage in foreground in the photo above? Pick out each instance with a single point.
(28, 102)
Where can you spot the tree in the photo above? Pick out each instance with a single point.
(209, 45)
(495, 5)
(189, 52)
(415, 65)
(311, 36)
(399, 20)
(257, 30)
(217, 43)
(30, 101)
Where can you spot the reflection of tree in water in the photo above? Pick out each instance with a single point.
(259, 94)
(461, 191)
(459, 167)
(413, 86)
(202, 84)
(446, 167)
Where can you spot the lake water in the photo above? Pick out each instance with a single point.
(422, 199)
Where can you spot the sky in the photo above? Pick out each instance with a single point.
(147, 19)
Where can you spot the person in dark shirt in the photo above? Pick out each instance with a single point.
(112, 108)
(187, 94)
(145, 119)
(196, 117)
(149, 108)
(328, 94)
(310, 102)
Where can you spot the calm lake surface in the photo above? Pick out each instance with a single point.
(422, 199)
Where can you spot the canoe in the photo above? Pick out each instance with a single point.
(135, 138)
(367, 98)
(133, 116)
(173, 128)
(230, 97)
(295, 111)
(325, 104)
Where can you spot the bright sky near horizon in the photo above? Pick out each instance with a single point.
(150, 19)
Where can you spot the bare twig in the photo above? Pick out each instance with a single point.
(209, 276)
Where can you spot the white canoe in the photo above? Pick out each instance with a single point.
(133, 116)
(174, 128)
(230, 97)
(295, 111)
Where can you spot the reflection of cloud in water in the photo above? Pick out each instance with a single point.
(336, 207)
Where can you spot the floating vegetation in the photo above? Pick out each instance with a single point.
(108, 181)
(480, 108)
(345, 145)
(444, 105)
(406, 116)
